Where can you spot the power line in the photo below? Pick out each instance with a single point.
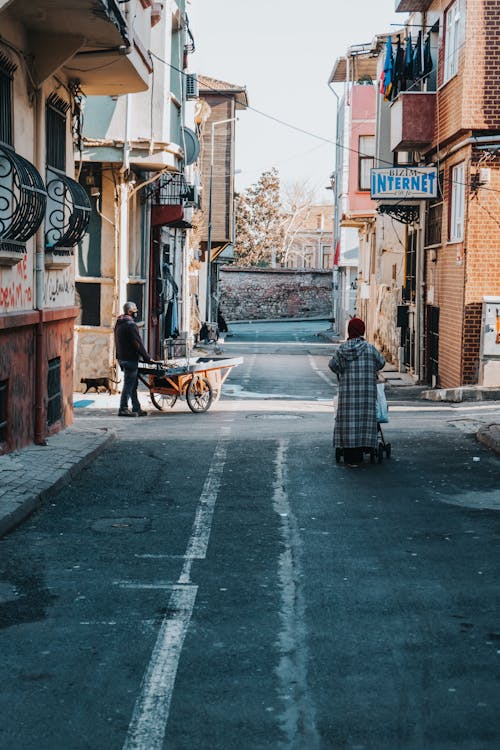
(336, 143)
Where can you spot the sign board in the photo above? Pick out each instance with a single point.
(414, 183)
(491, 327)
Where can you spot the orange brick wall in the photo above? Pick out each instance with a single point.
(462, 101)
(468, 105)
(491, 85)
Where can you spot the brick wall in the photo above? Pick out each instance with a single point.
(463, 101)
(251, 294)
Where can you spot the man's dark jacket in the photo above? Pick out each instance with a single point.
(128, 342)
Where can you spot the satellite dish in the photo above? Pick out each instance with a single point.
(191, 145)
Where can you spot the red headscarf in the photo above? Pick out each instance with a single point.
(356, 328)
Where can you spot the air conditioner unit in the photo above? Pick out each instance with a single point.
(192, 87)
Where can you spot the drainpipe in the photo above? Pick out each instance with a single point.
(40, 355)
(123, 210)
(336, 220)
(420, 298)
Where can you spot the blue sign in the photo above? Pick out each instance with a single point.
(413, 183)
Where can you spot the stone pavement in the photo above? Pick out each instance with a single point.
(28, 476)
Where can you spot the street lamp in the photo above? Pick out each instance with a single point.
(209, 233)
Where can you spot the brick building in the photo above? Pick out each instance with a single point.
(431, 285)
(453, 122)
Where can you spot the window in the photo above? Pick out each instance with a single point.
(135, 294)
(3, 410)
(6, 72)
(453, 38)
(456, 233)
(410, 286)
(433, 225)
(55, 115)
(54, 400)
(366, 160)
(90, 302)
(327, 256)
(319, 222)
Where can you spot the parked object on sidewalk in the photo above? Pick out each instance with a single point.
(356, 363)
(209, 333)
(199, 382)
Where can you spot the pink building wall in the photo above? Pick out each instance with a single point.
(363, 105)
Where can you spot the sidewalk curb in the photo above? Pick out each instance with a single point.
(490, 437)
(20, 510)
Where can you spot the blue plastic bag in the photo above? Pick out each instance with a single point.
(382, 408)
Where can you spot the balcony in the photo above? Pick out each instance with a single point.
(90, 40)
(23, 200)
(67, 218)
(409, 6)
(412, 121)
(170, 196)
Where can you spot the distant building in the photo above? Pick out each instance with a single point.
(217, 136)
(355, 152)
(309, 238)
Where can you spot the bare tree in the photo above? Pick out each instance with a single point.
(298, 198)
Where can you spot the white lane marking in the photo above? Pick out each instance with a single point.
(319, 372)
(298, 718)
(137, 585)
(149, 719)
(200, 534)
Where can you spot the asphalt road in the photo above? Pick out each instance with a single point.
(217, 581)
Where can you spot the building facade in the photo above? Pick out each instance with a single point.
(138, 165)
(429, 271)
(355, 151)
(45, 73)
(222, 101)
(309, 238)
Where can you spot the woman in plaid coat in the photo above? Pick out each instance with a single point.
(356, 363)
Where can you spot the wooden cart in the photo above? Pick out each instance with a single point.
(200, 381)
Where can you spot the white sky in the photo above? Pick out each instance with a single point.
(283, 51)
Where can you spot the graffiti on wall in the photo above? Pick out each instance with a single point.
(59, 288)
(15, 287)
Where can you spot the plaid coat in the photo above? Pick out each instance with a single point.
(356, 363)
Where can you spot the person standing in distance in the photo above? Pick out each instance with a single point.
(129, 348)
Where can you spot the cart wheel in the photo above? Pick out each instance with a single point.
(338, 453)
(373, 454)
(380, 452)
(388, 450)
(199, 394)
(162, 401)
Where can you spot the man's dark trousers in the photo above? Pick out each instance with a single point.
(130, 382)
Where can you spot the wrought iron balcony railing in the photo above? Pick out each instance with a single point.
(23, 201)
(171, 190)
(68, 212)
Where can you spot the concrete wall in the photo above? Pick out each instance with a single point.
(267, 293)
